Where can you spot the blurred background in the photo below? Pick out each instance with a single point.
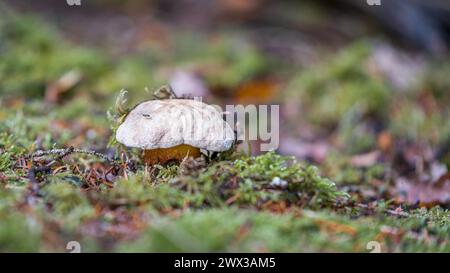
(363, 89)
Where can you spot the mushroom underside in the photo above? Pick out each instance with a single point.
(172, 154)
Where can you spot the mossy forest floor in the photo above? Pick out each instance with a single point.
(364, 144)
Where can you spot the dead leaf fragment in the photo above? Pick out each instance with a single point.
(63, 84)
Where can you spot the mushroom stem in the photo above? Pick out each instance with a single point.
(165, 155)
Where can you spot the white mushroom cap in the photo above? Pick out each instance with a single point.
(168, 123)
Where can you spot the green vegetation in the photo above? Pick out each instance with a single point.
(242, 230)
(244, 182)
(233, 202)
(345, 94)
(332, 89)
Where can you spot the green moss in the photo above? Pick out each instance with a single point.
(19, 132)
(437, 81)
(224, 230)
(5, 161)
(18, 234)
(330, 90)
(251, 231)
(225, 61)
(411, 122)
(246, 182)
(131, 192)
(354, 132)
(341, 170)
(68, 203)
(301, 181)
(31, 59)
(222, 205)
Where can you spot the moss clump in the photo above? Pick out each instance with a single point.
(412, 122)
(302, 183)
(252, 181)
(340, 169)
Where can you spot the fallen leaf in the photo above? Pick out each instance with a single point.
(316, 151)
(256, 92)
(63, 84)
(425, 193)
(365, 160)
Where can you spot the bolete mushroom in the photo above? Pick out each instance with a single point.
(172, 129)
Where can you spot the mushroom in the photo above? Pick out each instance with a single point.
(172, 129)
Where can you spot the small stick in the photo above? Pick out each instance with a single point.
(398, 213)
(388, 211)
(64, 152)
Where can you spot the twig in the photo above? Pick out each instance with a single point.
(397, 213)
(64, 152)
(388, 211)
(46, 168)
